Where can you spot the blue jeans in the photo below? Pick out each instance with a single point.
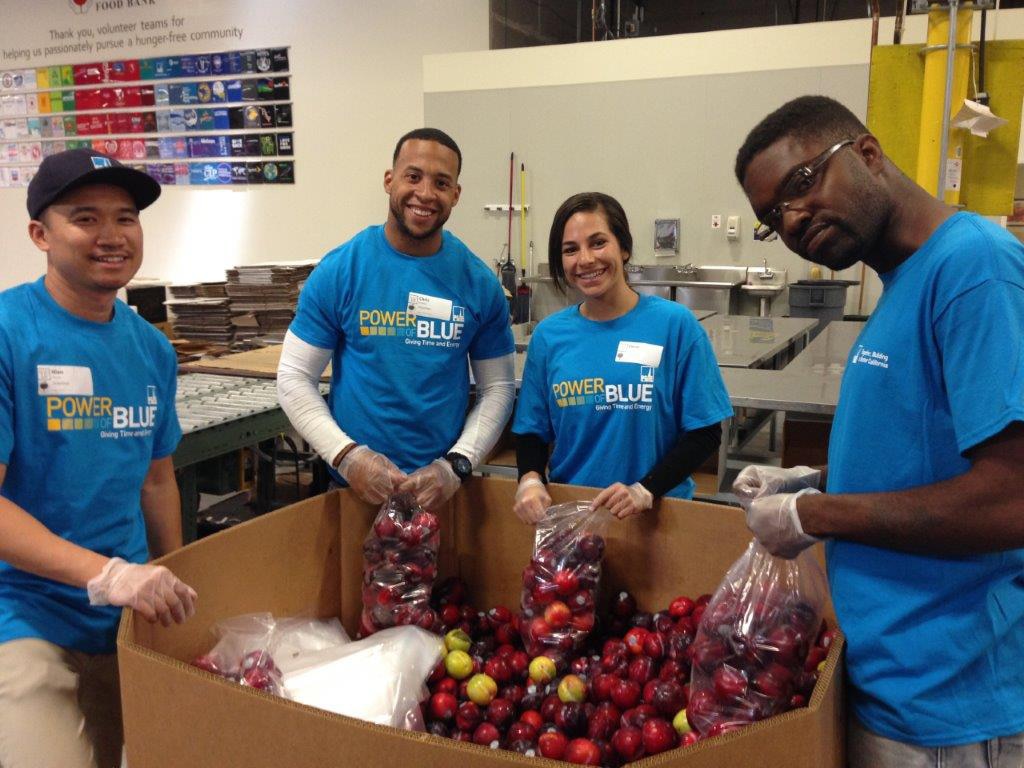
(866, 749)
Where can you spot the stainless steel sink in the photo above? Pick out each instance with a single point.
(712, 287)
(720, 276)
(651, 280)
(764, 284)
(698, 287)
(686, 276)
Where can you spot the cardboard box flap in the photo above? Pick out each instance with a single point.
(285, 562)
(674, 537)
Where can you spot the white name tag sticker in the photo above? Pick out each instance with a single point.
(64, 380)
(639, 352)
(422, 305)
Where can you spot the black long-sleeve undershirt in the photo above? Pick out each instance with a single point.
(691, 449)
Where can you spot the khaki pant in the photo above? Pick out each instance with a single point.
(58, 708)
(867, 749)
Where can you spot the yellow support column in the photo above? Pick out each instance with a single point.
(933, 96)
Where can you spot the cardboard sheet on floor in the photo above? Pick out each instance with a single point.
(261, 363)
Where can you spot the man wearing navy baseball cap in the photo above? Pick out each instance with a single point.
(87, 487)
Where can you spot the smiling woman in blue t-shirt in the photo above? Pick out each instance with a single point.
(625, 386)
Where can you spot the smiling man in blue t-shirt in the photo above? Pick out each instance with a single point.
(923, 510)
(87, 487)
(398, 310)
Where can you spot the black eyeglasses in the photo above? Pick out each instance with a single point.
(800, 182)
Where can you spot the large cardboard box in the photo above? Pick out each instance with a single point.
(307, 559)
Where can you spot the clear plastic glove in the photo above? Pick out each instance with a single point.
(776, 523)
(433, 484)
(532, 500)
(152, 590)
(624, 500)
(757, 480)
(370, 474)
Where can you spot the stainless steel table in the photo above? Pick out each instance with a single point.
(808, 386)
(741, 341)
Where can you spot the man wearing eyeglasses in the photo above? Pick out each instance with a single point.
(921, 509)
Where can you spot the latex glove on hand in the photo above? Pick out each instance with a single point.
(370, 474)
(532, 500)
(433, 484)
(776, 524)
(624, 500)
(757, 480)
(152, 590)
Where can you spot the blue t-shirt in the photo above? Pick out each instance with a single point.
(402, 328)
(84, 410)
(936, 644)
(613, 396)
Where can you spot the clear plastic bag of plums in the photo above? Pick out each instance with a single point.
(560, 583)
(255, 649)
(752, 646)
(399, 566)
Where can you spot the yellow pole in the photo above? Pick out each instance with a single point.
(933, 97)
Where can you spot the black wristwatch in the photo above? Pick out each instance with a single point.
(462, 466)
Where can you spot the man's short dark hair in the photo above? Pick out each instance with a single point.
(429, 134)
(817, 117)
(586, 202)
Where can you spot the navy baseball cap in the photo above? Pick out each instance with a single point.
(59, 174)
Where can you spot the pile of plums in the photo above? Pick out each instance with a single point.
(620, 692)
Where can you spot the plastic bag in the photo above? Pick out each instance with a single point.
(560, 583)
(297, 638)
(749, 653)
(243, 652)
(399, 566)
(253, 649)
(380, 679)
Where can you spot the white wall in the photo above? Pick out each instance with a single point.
(654, 121)
(357, 85)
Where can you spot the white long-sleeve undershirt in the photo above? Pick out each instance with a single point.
(299, 372)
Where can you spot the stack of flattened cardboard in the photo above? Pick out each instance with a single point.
(202, 319)
(201, 312)
(268, 293)
(187, 291)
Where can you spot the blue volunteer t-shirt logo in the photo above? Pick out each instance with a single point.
(101, 162)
